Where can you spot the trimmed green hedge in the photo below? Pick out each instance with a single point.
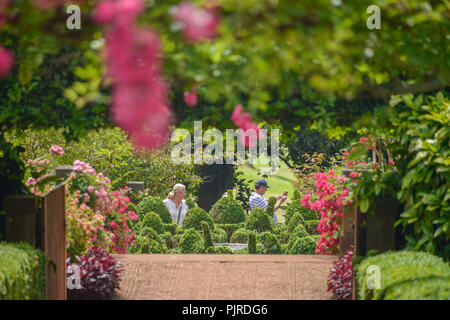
(153, 220)
(305, 245)
(227, 210)
(155, 204)
(22, 272)
(191, 242)
(194, 218)
(311, 226)
(270, 243)
(259, 221)
(402, 273)
(230, 228)
(219, 235)
(240, 236)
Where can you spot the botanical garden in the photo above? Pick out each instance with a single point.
(92, 92)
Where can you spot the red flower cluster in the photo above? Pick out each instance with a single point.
(191, 98)
(332, 196)
(341, 276)
(140, 104)
(198, 24)
(251, 131)
(99, 275)
(6, 61)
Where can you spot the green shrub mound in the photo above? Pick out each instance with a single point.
(230, 228)
(305, 245)
(432, 288)
(154, 204)
(295, 220)
(282, 233)
(299, 232)
(22, 272)
(153, 220)
(284, 248)
(191, 203)
(207, 238)
(227, 210)
(309, 214)
(171, 227)
(211, 250)
(219, 235)
(270, 243)
(194, 218)
(170, 240)
(241, 251)
(292, 208)
(148, 241)
(191, 242)
(311, 226)
(271, 206)
(397, 267)
(224, 250)
(260, 221)
(251, 242)
(240, 236)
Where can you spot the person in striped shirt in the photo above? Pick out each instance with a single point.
(258, 201)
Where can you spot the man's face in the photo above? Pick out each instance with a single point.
(262, 190)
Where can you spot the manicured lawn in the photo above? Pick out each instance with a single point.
(279, 181)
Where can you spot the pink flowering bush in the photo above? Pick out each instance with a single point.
(331, 196)
(242, 120)
(190, 98)
(96, 214)
(341, 277)
(6, 61)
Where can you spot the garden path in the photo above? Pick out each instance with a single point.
(228, 277)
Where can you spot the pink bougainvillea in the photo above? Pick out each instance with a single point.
(250, 130)
(198, 24)
(331, 196)
(6, 61)
(190, 98)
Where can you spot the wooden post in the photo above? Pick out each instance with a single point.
(136, 186)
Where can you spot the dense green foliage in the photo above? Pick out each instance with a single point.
(224, 250)
(22, 272)
(259, 220)
(191, 242)
(305, 245)
(311, 226)
(154, 204)
(207, 235)
(219, 235)
(195, 217)
(148, 241)
(252, 243)
(230, 228)
(295, 220)
(227, 210)
(152, 220)
(270, 243)
(403, 268)
(240, 236)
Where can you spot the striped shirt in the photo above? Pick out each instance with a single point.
(258, 201)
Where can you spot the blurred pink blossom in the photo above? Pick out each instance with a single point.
(190, 98)
(6, 61)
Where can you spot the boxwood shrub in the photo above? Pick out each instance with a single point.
(230, 228)
(270, 243)
(171, 227)
(227, 210)
(311, 226)
(282, 232)
(22, 272)
(295, 220)
(260, 221)
(299, 232)
(219, 235)
(155, 204)
(251, 242)
(305, 245)
(399, 268)
(170, 240)
(240, 236)
(153, 220)
(431, 288)
(191, 242)
(194, 218)
(224, 250)
(148, 241)
(207, 239)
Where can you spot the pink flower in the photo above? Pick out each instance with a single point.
(250, 130)
(354, 175)
(31, 181)
(6, 61)
(57, 150)
(199, 24)
(90, 189)
(104, 12)
(190, 98)
(363, 140)
(113, 225)
(391, 162)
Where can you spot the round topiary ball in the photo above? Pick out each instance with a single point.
(194, 218)
(219, 235)
(240, 236)
(153, 220)
(148, 241)
(305, 245)
(227, 210)
(191, 242)
(270, 243)
(259, 220)
(299, 232)
(224, 250)
(154, 204)
(295, 220)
